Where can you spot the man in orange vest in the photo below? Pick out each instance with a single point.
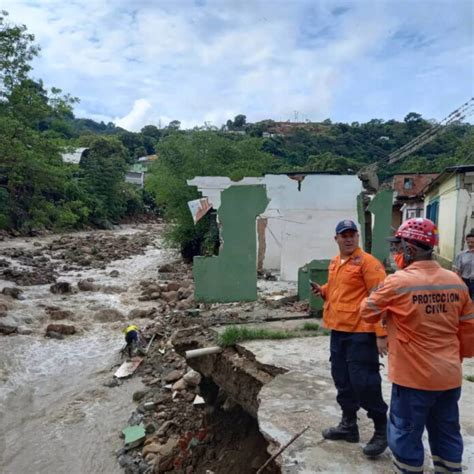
(430, 323)
(355, 344)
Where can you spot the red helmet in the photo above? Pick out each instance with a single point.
(419, 230)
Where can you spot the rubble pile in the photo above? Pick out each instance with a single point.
(96, 250)
(190, 424)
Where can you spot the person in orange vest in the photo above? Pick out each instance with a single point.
(430, 324)
(355, 344)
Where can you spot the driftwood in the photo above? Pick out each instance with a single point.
(295, 437)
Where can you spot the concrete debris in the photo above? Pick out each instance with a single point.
(134, 435)
(128, 368)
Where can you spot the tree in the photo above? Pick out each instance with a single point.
(16, 52)
(205, 153)
(103, 171)
(174, 125)
(239, 121)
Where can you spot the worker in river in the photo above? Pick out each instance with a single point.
(430, 324)
(355, 344)
(132, 336)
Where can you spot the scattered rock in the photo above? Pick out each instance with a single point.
(24, 331)
(164, 428)
(108, 315)
(192, 378)
(167, 448)
(139, 394)
(87, 285)
(7, 328)
(173, 286)
(61, 288)
(54, 335)
(114, 273)
(64, 329)
(112, 383)
(166, 268)
(141, 313)
(179, 385)
(59, 314)
(15, 293)
(170, 296)
(173, 376)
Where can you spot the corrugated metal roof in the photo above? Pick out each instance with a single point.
(74, 157)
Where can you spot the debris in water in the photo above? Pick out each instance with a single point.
(128, 367)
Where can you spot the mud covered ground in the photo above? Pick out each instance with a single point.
(64, 301)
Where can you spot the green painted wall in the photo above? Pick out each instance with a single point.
(381, 208)
(232, 276)
(317, 271)
(361, 218)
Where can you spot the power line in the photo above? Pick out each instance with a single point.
(465, 110)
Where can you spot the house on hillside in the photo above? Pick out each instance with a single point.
(449, 202)
(408, 195)
(74, 156)
(137, 172)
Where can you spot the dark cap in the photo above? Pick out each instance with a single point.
(345, 225)
(471, 233)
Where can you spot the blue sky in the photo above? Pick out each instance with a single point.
(152, 61)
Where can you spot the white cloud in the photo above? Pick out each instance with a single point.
(137, 118)
(266, 59)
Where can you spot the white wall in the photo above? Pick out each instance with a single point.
(300, 223)
(464, 219)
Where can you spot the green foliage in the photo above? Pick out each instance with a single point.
(234, 334)
(38, 190)
(311, 327)
(184, 156)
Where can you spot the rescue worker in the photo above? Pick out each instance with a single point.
(430, 324)
(355, 344)
(464, 263)
(131, 338)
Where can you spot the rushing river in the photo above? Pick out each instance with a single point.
(56, 414)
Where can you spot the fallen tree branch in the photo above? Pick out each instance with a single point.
(295, 437)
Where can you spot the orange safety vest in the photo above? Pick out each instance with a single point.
(348, 284)
(430, 324)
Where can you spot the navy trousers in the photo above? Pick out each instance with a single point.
(410, 411)
(355, 370)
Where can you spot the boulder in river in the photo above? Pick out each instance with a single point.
(61, 287)
(64, 329)
(15, 293)
(109, 315)
(87, 285)
(7, 328)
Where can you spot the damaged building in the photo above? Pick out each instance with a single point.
(293, 216)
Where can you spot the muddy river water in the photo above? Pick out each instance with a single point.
(56, 414)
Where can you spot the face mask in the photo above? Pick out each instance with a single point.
(400, 260)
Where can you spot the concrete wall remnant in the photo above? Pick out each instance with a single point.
(300, 217)
(317, 271)
(381, 208)
(232, 276)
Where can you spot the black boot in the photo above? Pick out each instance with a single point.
(346, 430)
(378, 444)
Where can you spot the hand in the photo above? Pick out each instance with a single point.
(315, 289)
(382, 345)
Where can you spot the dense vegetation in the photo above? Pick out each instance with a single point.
(38, 190)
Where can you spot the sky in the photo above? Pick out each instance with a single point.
(146, 62)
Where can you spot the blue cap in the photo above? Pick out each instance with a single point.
(346, 225)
